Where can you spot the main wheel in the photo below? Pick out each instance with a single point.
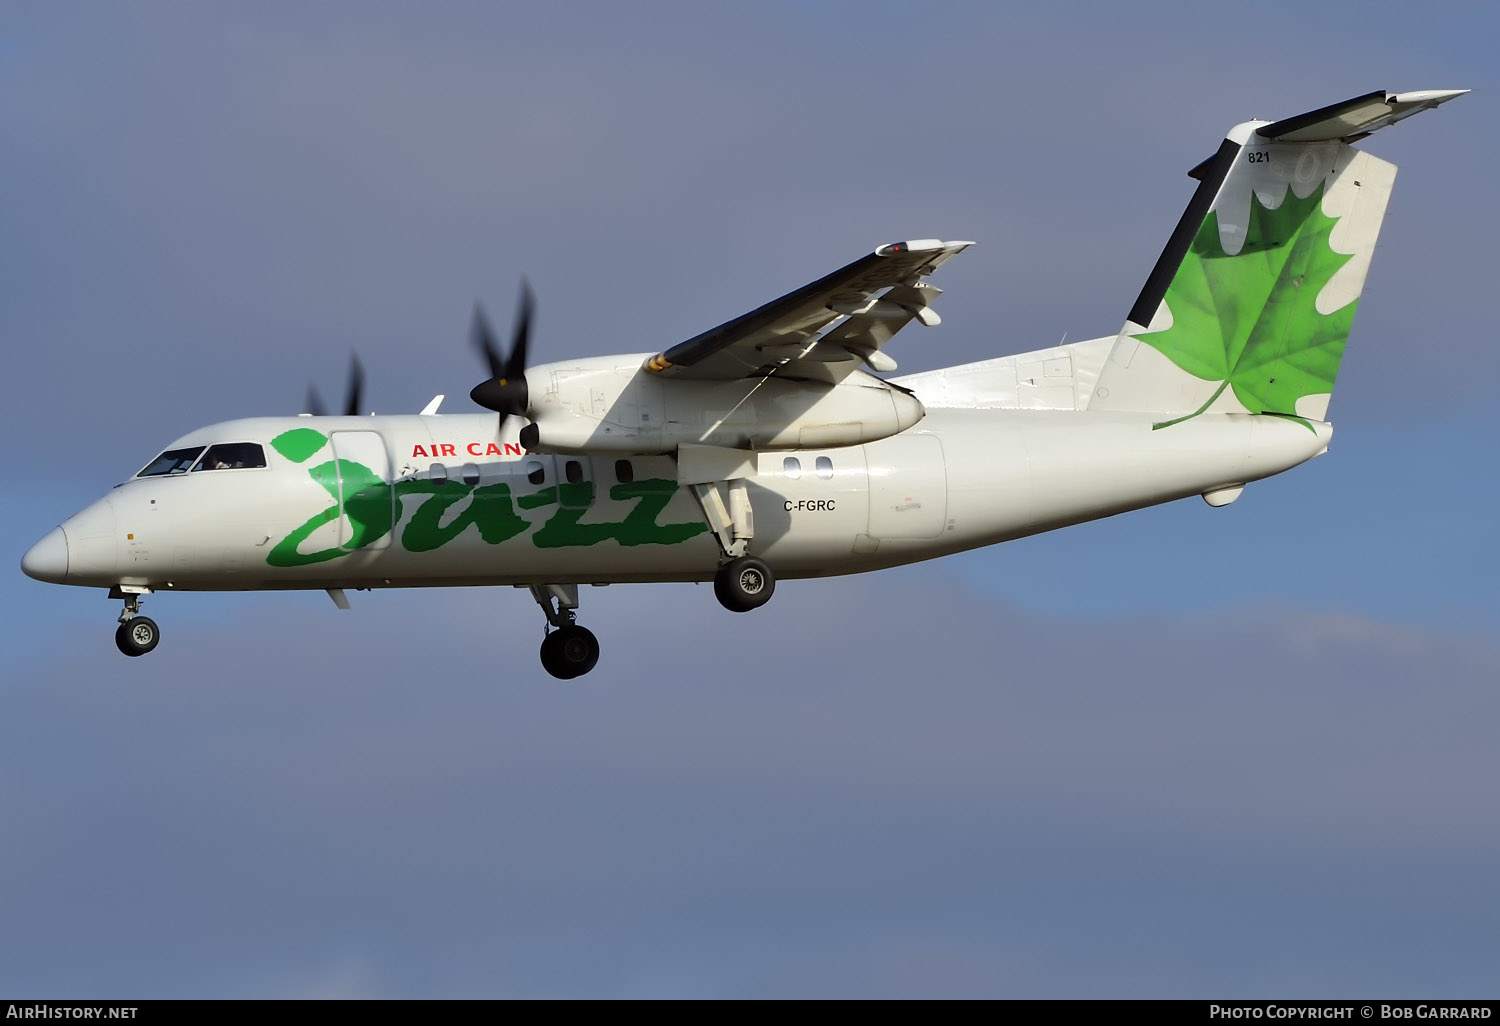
(570, 652)
(744, 584)
(137, 636)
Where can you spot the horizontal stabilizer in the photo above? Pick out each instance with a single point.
(1356, 118)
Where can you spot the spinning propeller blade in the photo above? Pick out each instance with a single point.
(505, 391)
(353, 393)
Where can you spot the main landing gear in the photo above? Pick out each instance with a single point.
(569, 650)
(743, 582)
(136, 634)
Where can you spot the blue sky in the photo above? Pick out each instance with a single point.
(1181, 752)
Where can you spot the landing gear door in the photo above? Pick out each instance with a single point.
(365, 494)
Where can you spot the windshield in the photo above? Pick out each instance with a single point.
(173, 461)
(232, 456)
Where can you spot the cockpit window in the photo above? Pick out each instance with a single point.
(232, 456)
(173, 461)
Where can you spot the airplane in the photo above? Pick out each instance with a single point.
(770, 447)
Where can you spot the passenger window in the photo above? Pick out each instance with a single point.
(232, 456)
(825, 467)
(438, 474)
(792, 467)
(573, 471)
(173, 461)
(470, 473)
(535, 472)
(624, 471)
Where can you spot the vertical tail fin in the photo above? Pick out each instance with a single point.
(1250, 304)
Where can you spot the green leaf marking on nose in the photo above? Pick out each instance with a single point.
(299, 444)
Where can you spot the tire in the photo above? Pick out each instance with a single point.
(744, 584)
(570, 652)
(137, 636)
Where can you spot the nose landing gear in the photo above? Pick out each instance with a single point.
(569, 650)
(136, 634)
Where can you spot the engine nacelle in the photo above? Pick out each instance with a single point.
(609, 405)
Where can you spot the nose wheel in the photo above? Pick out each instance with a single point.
(136, 634)
(569, 650)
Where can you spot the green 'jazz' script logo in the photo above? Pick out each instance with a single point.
(1250, 319)
(374, 509)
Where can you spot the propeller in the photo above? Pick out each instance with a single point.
(353, 393)
(505, 392)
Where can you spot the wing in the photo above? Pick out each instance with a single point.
(783, 336)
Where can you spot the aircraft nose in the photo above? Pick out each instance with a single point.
(47, 560)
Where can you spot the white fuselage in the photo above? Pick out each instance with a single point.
(403, 501)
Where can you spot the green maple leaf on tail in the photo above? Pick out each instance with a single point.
(1250, 319)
